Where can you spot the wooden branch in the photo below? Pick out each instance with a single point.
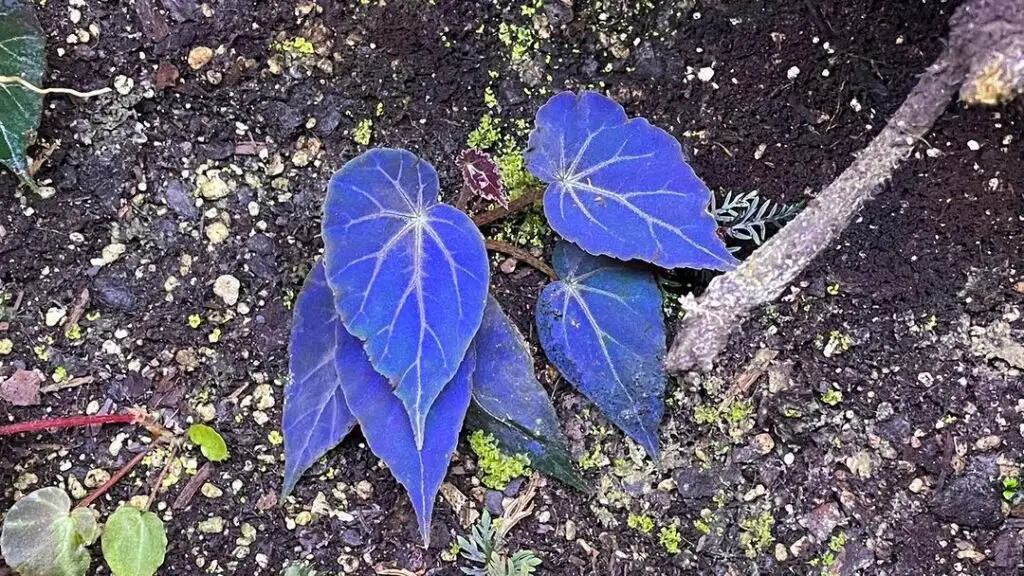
(731, 297)
(521, 255)
(518, 205)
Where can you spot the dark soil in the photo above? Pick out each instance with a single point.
(925, 288)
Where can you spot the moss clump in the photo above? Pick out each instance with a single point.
(832, 397)
(641, 522)
(518, 39)
(497, 468)
(297, 45)
(756, 533)
(364, 130)
(485, 135)
(669, 538)
(194, 320)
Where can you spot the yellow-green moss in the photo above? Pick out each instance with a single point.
(756, 534)
(640, 522)
(298, 45)
(194, 320)
(832, 397)
(497, 468)
(485, 135)
(518, 39)
(363, 132)
(669, 538)
(6, 346)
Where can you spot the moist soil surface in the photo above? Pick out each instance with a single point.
(880, 412)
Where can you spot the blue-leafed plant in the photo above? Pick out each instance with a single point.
(394, 329)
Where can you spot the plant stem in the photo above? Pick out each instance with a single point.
(115, 478)
(518, 205)
(521, 255)
(30, 86)
(70, 422)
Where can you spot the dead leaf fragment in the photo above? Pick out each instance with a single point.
(22, 388)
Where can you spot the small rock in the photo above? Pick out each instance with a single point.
(694, 484)
(22, 388)
(211, 491)
(798, 548)
(570, 530)
(54, 315)
(217, 232)
(199, 56)
(781, 554)
(123, 85)
(508, 265)
(972, 499)
(96, 477)
(822, 520)
(763, 443)
(114, 293)
(987, 443)
(214, 525)
(179, 201)
(211, 186)
(492, 501)
(917, 485)
(860, 464)
(705, 74)
(226, 287)
(1007, 551)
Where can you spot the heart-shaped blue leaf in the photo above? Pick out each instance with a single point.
(620, 187)
(510, 404)
(389, 432)
(409, 273)
(316, 417)
(601, 326)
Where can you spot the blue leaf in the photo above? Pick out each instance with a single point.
(510, 404)
(601, 326)
(621, 188)
(388, 430)
(409, 273)
(316, 417)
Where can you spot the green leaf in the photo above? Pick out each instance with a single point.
(21, 54)
(209, 441)
(134, 542)
(40, 538)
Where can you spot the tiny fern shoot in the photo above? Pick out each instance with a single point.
(746, 217)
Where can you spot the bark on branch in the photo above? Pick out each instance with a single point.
(985, 35)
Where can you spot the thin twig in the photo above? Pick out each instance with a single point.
(527, 199)
(521, 255)
(189, 491)
(154, 489)
(30, 86)
(115, 478)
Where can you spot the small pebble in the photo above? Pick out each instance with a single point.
(199, 56)
(973, 145)
(226, 287)
(793, 72)
(705, 74)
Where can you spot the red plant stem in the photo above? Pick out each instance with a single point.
(114, 479)
(70, 422)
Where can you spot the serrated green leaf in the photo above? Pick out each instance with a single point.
(21, 54)
(40, 537)
(210, 442)
(134, 542)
